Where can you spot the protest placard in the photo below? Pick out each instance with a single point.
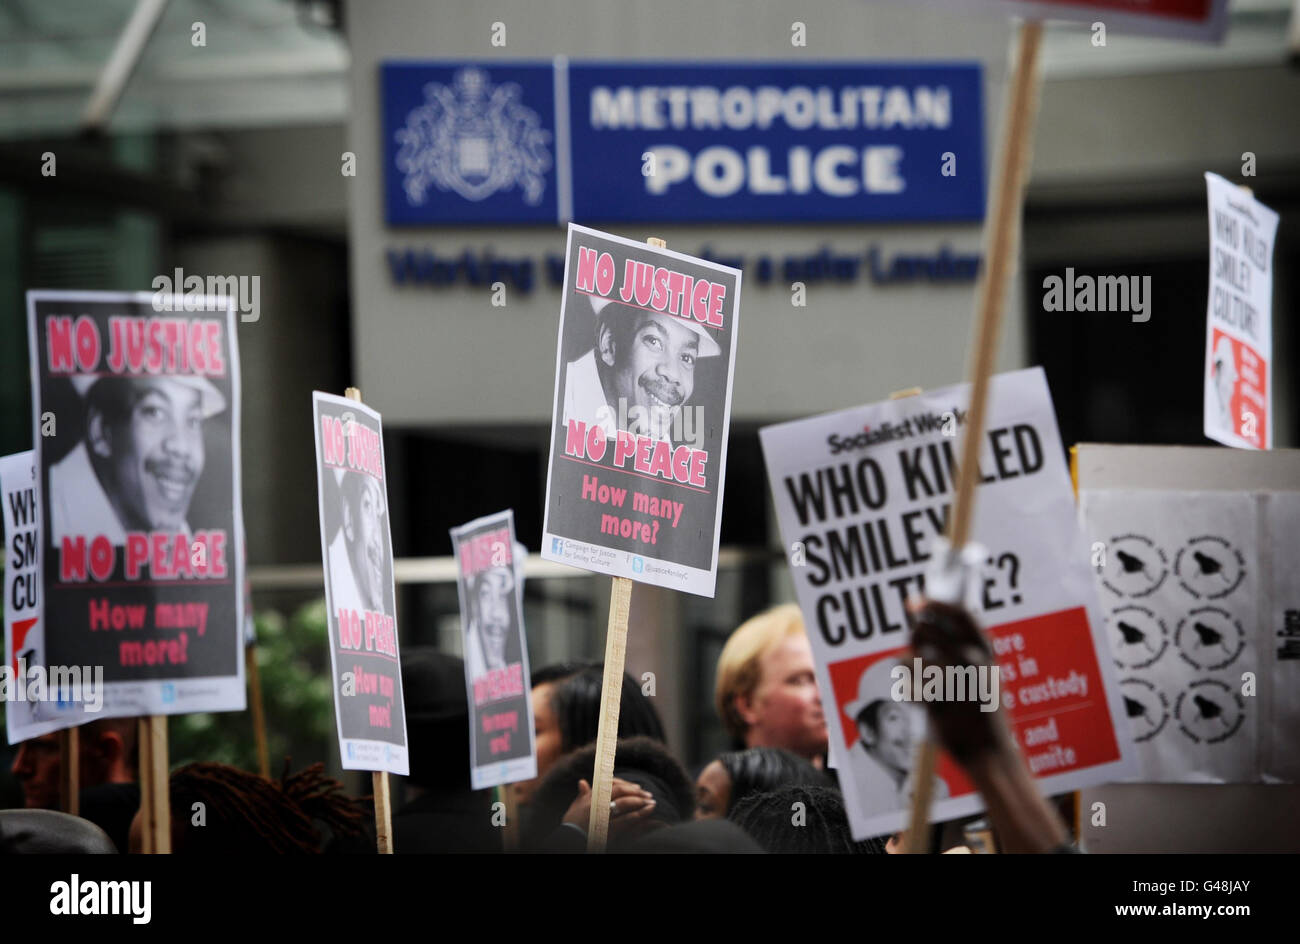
(1194, 562)
(1280, 642)
(1203, 20)
(360, 595)
(644, 371)
(861, 495)
(36, 700)
(496, 651)
(1239, 318)
(136, 404)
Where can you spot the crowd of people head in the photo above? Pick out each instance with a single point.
(773, 793)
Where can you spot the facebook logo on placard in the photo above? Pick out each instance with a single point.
(351, 750)
(638, 565)
(168, 693)
(557, 545)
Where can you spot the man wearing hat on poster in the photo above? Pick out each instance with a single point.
(881, 757)
(139, 460)
(1225, 380)
(491, 637)
(358, 564)
(640, 374)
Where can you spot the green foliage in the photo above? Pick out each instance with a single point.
(293, 661)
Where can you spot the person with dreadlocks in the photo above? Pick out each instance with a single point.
(225, 810)
(344, 822)
(801, 819)
(651, 790)
(723, 783)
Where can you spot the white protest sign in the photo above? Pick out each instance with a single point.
(1239, 318)
(1204, 20)
(1198, 581)
(142, 523)
(1180, 579)
(490, 581)
(360, 594)
(861, 495)
(35, 701)
(643, 380)
(1280, 640)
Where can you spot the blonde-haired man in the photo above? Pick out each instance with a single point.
(766, 691)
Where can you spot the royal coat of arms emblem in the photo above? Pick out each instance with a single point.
(473, 138)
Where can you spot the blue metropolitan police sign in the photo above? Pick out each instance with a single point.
(478, 143)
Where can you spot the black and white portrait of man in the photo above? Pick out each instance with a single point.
(491, 639)
(1225, 380)
(139, 460)
(359, 570)
(888, 732)
(640, 374)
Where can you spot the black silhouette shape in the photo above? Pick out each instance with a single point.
(1131, 564)
(1133, 635)
(1209, 565)
(1209, 710)
(1209, 636)
(1134, 708)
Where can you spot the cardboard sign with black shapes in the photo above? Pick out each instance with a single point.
(1203, 580)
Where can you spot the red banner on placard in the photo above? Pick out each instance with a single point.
(1196, 11)
(1245, 375)
(1049, 683)
(1199, 20)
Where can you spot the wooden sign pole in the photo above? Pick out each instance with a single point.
(69, 770)
(1002, 239)
(383, 795)
(383, 812)
(259, 713)
(510, 832)
(155, 789)
(146, 786)
(611, 699)
(162, 804)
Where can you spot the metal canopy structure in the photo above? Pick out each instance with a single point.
(261, 63)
